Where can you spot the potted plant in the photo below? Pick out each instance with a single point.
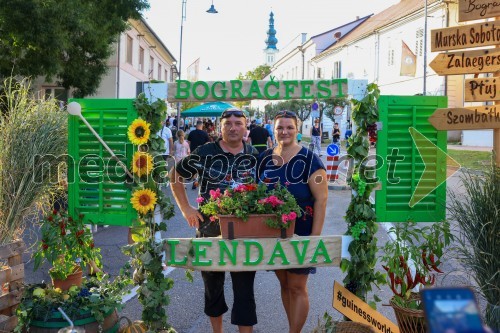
(68, 246)
(251, 210)
(93, 305)
(477, 214)
(412, 260)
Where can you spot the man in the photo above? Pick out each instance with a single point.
(269, 128)
(195, 139)
(166, 134)
(259, 137)
(226, 162)
(336, 133)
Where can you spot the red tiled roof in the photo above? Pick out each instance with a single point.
(388, 16)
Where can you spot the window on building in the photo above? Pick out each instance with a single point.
(166, 76)
(60, 94)
(130, 45)
(390, 58)
(419, 42)
(319, 72)
(151, 66)
(337, 69)
(159, 72)
(141, 59)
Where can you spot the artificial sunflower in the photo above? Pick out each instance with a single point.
(138, 132)
(143, 200)
(142, 163)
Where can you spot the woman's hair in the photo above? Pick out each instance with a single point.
(180, 136)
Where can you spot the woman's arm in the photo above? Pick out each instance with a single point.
(319, 187)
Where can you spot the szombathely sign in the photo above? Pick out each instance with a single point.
(238, 90)
(217, 254)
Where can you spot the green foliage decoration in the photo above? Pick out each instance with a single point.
(360, 216)
(146, 252)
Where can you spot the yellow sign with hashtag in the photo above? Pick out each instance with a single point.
(358, 311)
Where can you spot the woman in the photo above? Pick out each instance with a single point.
(181, 147)
(303, 173)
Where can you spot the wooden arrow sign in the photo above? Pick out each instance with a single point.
(465, 36)
(469, 10)
(477, 117)
(482, 89)
(467, 62)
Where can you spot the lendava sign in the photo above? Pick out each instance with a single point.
(251, 254)
(238, 90)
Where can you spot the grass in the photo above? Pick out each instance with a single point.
(472, 159)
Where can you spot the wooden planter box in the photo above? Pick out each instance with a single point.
(232, 227)
(11, 281)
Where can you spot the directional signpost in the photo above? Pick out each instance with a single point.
(471, 62)
(332, 150)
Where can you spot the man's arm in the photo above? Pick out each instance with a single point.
(269, 142)
(191, 214)
(171, 145)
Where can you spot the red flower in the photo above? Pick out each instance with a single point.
(92, 245)
(267, 180)
(63, 232)
(309, 210)
(228, 178)
(54, 212)
(79, 233)
(50, 218)
(251, 187)
(45, 246)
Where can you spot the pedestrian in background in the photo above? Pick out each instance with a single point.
(316, 138)
(181, 147)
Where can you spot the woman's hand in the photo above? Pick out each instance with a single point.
(192, 216)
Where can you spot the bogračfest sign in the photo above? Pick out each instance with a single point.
(239, 90)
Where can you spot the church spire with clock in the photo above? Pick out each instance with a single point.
(270, 52)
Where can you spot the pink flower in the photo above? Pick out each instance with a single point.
(227, 193)
(292, 216)
(213, 218)
(241, 188)
(274, 201)
(284, 218)
(287, 183)
(200, 199)
(215, 194)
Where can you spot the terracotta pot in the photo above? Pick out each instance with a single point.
(409, 320)
(255, 227)
(74, 279)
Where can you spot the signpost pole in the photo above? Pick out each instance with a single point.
(496, 131)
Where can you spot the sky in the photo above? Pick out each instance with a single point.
(233, 40)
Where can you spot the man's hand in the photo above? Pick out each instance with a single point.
(192, 216)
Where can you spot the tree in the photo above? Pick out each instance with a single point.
(67, 40)
(258, 73)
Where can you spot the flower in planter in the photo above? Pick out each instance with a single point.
(139, 132)
(251, 198)
(142, 163)
(143, 201)
(96, 297)
(66, 243)
(420, 247)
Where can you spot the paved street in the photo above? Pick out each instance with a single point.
(186, 299)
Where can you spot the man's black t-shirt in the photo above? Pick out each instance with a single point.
(259, 136)
(217, 169)
(197, 138)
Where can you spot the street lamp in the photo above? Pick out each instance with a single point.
(212, 10)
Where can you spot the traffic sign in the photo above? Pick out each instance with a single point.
(482, 89)
(477, 9)
(465, 36)
(338, 110)
(467, 62)
(333, 149)
(477, 117)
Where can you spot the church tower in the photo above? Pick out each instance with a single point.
(270, 52)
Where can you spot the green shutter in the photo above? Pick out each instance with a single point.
(97, 186)
(398, 114)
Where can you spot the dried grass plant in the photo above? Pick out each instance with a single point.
(29, 127)
(477, 213)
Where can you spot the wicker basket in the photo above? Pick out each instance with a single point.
(409, 320)
(352, 327)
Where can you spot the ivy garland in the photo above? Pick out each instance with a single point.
(146, 253)
(360, 216)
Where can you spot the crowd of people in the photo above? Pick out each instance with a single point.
(266, 149)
